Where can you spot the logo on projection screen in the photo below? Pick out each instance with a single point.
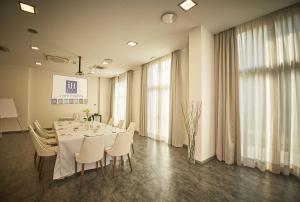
(71, 87)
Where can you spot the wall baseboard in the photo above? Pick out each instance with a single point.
(206, 160)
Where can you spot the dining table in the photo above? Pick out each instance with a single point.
(70, 135)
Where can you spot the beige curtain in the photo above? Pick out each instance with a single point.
(112, 96)
(143, 104)
(129, 97)
(176, 122)
(227, 105)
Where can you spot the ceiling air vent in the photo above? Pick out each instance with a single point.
(4, 49)
(57, 59)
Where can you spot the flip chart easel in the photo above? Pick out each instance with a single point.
(8, 111)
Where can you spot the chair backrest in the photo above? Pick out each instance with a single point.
(131, 127)
(92, 149)
(39, 129)
(121, 124)
(122, 144)
(79, 116)
(38, 145)
(111, 121)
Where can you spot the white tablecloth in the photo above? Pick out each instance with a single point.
(70, 135)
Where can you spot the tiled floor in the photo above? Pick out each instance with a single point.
(160, 173)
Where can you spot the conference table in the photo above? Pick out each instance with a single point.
(70, 135)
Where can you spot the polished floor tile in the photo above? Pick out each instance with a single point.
(160, 173)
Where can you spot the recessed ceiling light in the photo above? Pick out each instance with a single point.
(27, 8)
(187, 5)
(168, 17)
(107, 61)
(38, 63)
(91, 72)
(132, 43)
(35, 48)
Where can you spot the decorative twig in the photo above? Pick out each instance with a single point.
(191, 120)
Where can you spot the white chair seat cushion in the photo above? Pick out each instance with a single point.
(77, 159)
(50, 131)
(53, 149)
(108, 148)
(111, 152)
(50, 141)
(51, 135)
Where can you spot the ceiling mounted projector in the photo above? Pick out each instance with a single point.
(79, 73)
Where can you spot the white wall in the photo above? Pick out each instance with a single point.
(14, 84)
(208, 93)
(104, 98)
(40, 106)
(201, 80)
(136, 96)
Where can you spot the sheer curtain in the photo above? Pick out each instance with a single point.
(158, 96)
(129, 83)
(119, 109)
(269, 88)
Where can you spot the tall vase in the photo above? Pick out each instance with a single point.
(191, 149)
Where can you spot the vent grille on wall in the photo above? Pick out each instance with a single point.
(57, 59)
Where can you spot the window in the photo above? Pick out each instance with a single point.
(269, 80)
(120, 99)
(158, 91)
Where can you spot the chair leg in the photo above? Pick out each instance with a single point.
(39, 163)
(132, 148)
(114, 165)
(75, 166)
(97, 167)
(102, 168)
(105, 160)
(41, 167)
(81, 176)
(129, 162)
(35, 155)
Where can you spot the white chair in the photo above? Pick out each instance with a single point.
(91, 151)
(131, 130)
(110, 121)
(120, 148)
(79, 116)
(121, 124)
(49, 139)
(41, 150)
(51, 131)
(44, 132)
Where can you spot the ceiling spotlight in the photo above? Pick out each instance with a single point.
(38, 63)
(187, 5)
(27, 8)
(91, 72)
(168, 17)
(107, 61)
(132, 43)
(35, 48)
